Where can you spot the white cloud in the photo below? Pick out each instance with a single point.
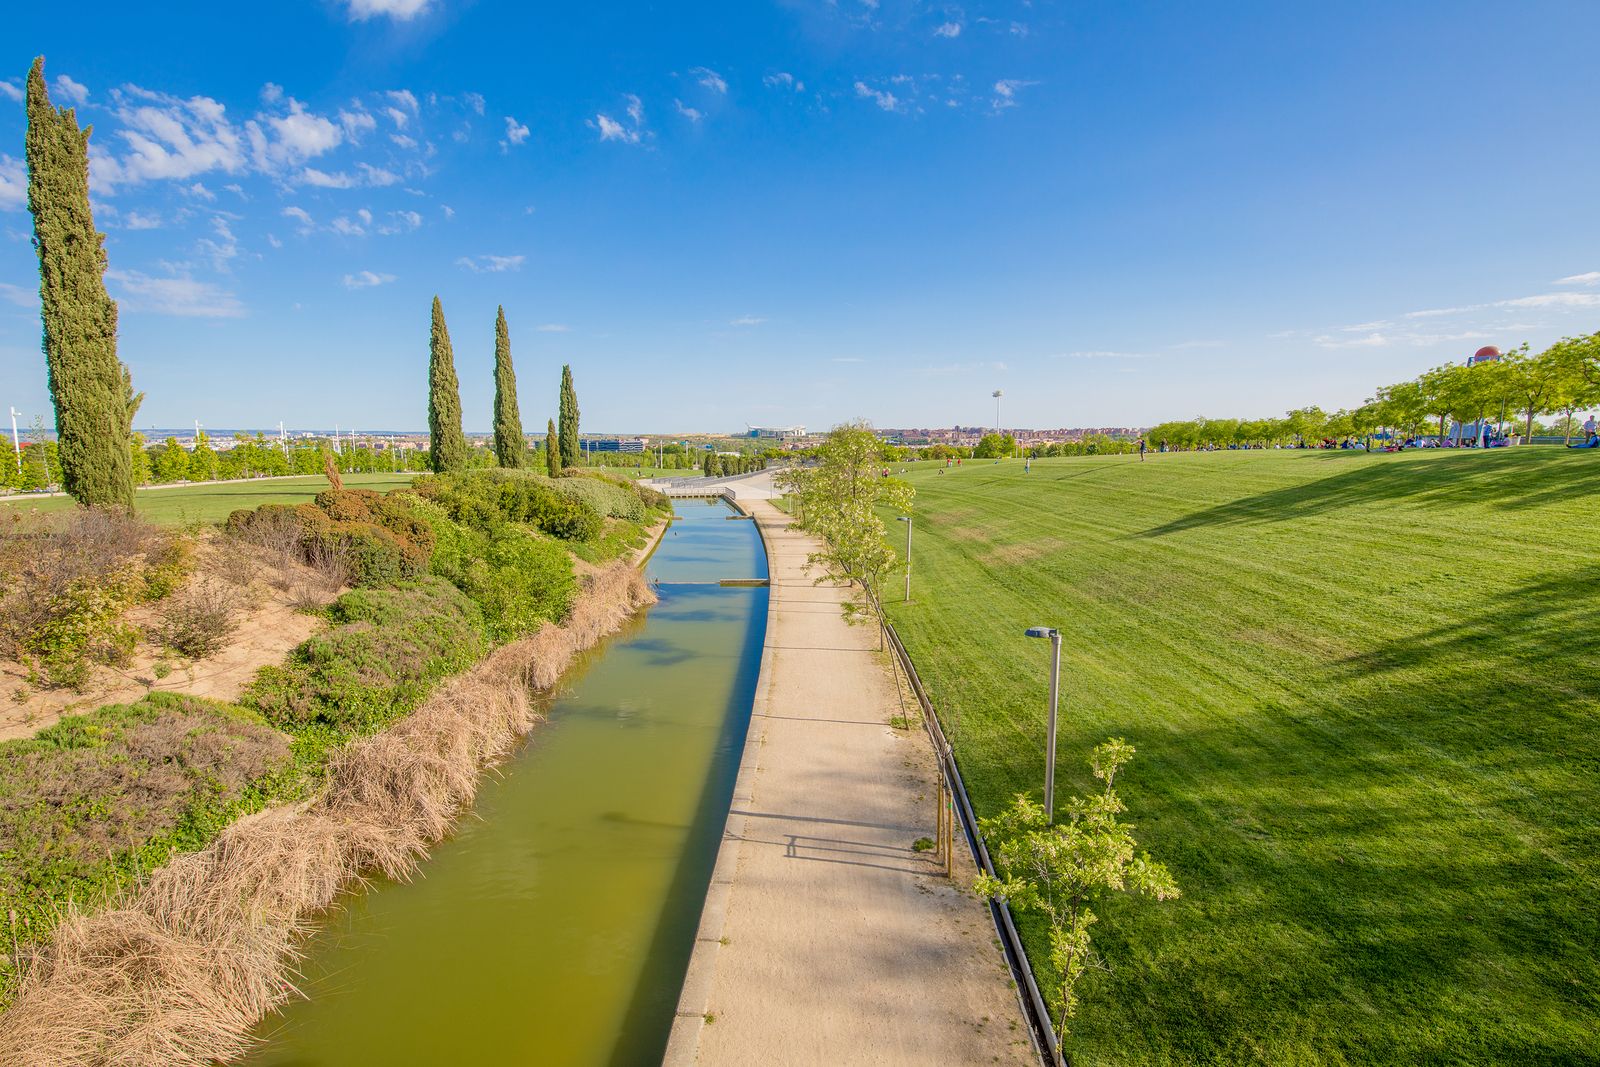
(554, 327)
(1548, 300)
(365, 216)
(135, 220)
(516, 132)
(710, 79)
(491, 264)
(884, 98)
(449, 212)
(404, 98)
(747, 320)
(475, 101)
(399, 10)
(612, 130)
(1590, 278)
(178, 295)
(13, 184)
(692, 114)
(301, 216)
(76, 92)
(291, 139)
(403, 141)
(345, 228)
(357, 122)
(272, 239)
(222, 247)
(325, 180)
(1100, 353)
(402, 222)
(1006, 89)
(784, 79)
(1371, 340)
(377, 175)
(396, 116)
(948, 29)
(1182, 345)
(366, 280)
(12, 90)
(16, 294)
(168, 137)
(271, 93)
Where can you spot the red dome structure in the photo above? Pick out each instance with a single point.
(1486, 354)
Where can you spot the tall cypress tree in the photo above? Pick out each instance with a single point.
(447, 445)
(552, 451)
(569, 420)
(509, 445)
(91, 389)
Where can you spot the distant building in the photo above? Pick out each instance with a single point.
(614, 444)
(1486, 354)
(774, 433)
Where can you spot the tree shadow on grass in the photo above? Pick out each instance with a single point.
(1395, 866)
(1493, 480)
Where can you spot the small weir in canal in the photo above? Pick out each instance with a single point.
(554, 927)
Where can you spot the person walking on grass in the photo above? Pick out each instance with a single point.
(1141, 450)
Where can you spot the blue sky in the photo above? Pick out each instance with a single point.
(810, 210)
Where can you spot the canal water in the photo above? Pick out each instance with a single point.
(555, 926)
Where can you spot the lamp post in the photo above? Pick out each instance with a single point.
(907, 520)
(998, 393)
(1050, 737)
(16, 442)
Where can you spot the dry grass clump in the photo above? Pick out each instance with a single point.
(181, 972)
(198, 620)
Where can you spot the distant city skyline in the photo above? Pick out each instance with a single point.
(806, 211)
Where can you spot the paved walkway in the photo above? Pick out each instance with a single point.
(826, 939)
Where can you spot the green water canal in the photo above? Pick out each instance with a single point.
(554, 927)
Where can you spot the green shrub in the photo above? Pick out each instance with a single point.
(83, 626)
(89, 803)
(385, 649)
(521, 581)
(605, 497)
(516, 577)
(379, 536)
(348, 505)
(484, 498)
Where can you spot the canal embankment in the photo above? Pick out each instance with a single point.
(181, 969)
(554, 924)
(827, 935)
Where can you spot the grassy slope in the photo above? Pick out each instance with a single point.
(211, 503)
(1364, 693)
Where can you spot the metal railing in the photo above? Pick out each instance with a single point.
(1033, 1005)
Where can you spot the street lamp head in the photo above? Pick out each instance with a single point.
(902, 518)
(1042, 631)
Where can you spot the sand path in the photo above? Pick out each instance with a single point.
(826, 938)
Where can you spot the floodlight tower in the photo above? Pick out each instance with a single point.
(998, 393)
(16, 442)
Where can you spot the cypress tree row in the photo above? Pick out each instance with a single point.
(509, 445)
(552, 451)
(569, 420)
(447, 445)
(91, 389)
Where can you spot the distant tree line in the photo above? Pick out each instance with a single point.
(1512, 391)
(716, 465)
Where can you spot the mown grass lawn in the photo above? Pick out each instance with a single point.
(181, 504)
(1365, 691)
